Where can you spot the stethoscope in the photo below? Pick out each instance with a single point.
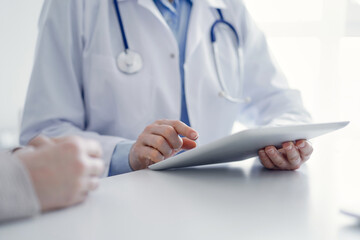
(130, 62)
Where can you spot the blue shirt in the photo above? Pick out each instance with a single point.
(177, 15)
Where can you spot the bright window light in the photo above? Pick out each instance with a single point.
(349, 84)
(299, 59)
(286, 10)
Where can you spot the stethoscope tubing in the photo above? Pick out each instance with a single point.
(224, 91)
(122, 29)
(219, 21)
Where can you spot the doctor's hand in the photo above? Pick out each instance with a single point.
(160, 141)
(290, 157)
(62, 170)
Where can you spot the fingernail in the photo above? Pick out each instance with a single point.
(302, 144)
(271, 151)
(194, 135)
(289, 147)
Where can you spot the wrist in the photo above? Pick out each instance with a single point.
(30, 160)
(133, 162)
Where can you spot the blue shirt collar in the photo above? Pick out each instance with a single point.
(171, 6)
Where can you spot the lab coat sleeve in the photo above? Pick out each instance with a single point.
(273, 102)
(54, 105)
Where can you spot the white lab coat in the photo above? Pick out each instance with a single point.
(76, 87)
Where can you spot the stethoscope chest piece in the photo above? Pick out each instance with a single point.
(129, 62)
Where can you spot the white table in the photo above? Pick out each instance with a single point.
(229, 201)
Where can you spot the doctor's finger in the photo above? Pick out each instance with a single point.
(265, 160)
(305, 149)
(181, 128)
(150, 155)
(276, 158)
(292, 154)
(169, 133)
(188, 144)
(159, 143)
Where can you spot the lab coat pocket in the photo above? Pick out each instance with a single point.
(117, 96)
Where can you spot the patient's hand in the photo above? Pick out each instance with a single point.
(63, 170)
(290, 157)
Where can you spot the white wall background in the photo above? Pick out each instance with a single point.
(18, 29)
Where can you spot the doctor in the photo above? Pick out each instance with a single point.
(135, 74)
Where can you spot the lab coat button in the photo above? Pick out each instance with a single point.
(172, 55)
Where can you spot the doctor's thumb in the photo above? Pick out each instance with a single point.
(188, 144)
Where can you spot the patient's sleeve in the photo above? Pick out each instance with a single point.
(17, 195)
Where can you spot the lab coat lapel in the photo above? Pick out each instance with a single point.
(150, 5)
(203, 16)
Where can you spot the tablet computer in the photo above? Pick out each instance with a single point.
(245, 144)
